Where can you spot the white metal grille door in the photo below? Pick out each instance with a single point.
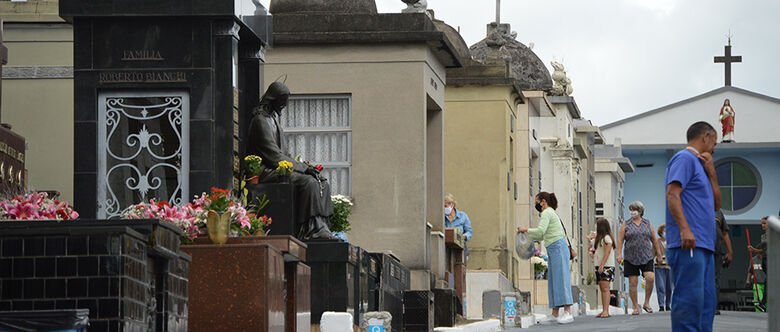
(143, 149)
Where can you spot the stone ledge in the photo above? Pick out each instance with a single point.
(330, 28)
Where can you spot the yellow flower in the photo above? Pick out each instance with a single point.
(254, 158)
(285, 164)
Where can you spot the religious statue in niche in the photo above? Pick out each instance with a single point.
(727, 121)
(312, 190)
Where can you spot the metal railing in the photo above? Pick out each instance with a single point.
(773, 267)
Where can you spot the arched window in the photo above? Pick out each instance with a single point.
(740, 184)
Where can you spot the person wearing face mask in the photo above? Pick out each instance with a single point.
(457, 218)
(692, 197)
(551, 231)
(641, 246)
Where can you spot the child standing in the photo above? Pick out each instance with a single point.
(604, 259)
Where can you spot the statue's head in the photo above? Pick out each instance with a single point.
(276, 96)
(726, 103)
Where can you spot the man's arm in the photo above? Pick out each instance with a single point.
(727, 240)
(709, 167)
(673, 191)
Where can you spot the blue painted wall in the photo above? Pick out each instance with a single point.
(646, 184)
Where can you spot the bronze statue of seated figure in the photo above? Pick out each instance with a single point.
(312, 191)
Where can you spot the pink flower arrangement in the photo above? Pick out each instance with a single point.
(179, 216)
(191, 218)
(36, 206)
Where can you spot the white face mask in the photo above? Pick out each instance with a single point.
(447, 210)
(634, 214)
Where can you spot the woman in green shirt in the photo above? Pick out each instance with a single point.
(550, 230)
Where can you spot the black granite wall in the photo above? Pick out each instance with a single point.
(129, 274)
(212, 50)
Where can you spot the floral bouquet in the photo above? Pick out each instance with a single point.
(182, 217)
(192, 218)
(342, 208)
(35, 206)
(540, 264)
(220, 202)
(285, 168)
(258, 225)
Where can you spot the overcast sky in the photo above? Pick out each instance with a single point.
(626, 57)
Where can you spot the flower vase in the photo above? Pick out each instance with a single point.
(218, 227)
(284, 178)
(254, 179)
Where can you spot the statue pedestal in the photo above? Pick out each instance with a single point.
(281, 206)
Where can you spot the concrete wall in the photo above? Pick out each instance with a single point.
(477, 161)
(392, 87)
(41, 109)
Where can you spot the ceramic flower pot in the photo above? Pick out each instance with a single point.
(254, 179)
(284, 178)
(218, 227)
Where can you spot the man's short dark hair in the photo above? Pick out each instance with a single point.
(699, 128)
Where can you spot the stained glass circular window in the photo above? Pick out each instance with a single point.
(740, 184)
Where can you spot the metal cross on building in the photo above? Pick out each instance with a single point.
(498, 11)
(727, 59)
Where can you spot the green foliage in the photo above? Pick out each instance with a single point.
(342, 209)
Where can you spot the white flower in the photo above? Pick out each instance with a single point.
(536, 260)
(341, 199)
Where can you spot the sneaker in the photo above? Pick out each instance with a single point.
(565, 318)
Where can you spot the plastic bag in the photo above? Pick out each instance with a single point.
(44, 320)
(524, 246)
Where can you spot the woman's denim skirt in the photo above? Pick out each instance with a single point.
(558, 274)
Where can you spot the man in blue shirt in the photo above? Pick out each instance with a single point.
(692, 197)
(457, 218)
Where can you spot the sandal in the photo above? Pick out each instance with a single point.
(648, 309)
(601, 315)
(635, 313)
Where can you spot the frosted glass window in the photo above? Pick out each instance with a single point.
(319, 129)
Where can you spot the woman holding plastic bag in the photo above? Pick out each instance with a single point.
(551, 231)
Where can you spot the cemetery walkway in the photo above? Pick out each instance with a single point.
(727, 321)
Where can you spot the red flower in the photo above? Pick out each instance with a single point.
(319, 168)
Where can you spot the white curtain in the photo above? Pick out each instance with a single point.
(319, 130)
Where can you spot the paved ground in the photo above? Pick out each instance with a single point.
(728, 321)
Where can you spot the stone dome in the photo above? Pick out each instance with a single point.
(455, 38)
(323, 6)
(528, 69)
